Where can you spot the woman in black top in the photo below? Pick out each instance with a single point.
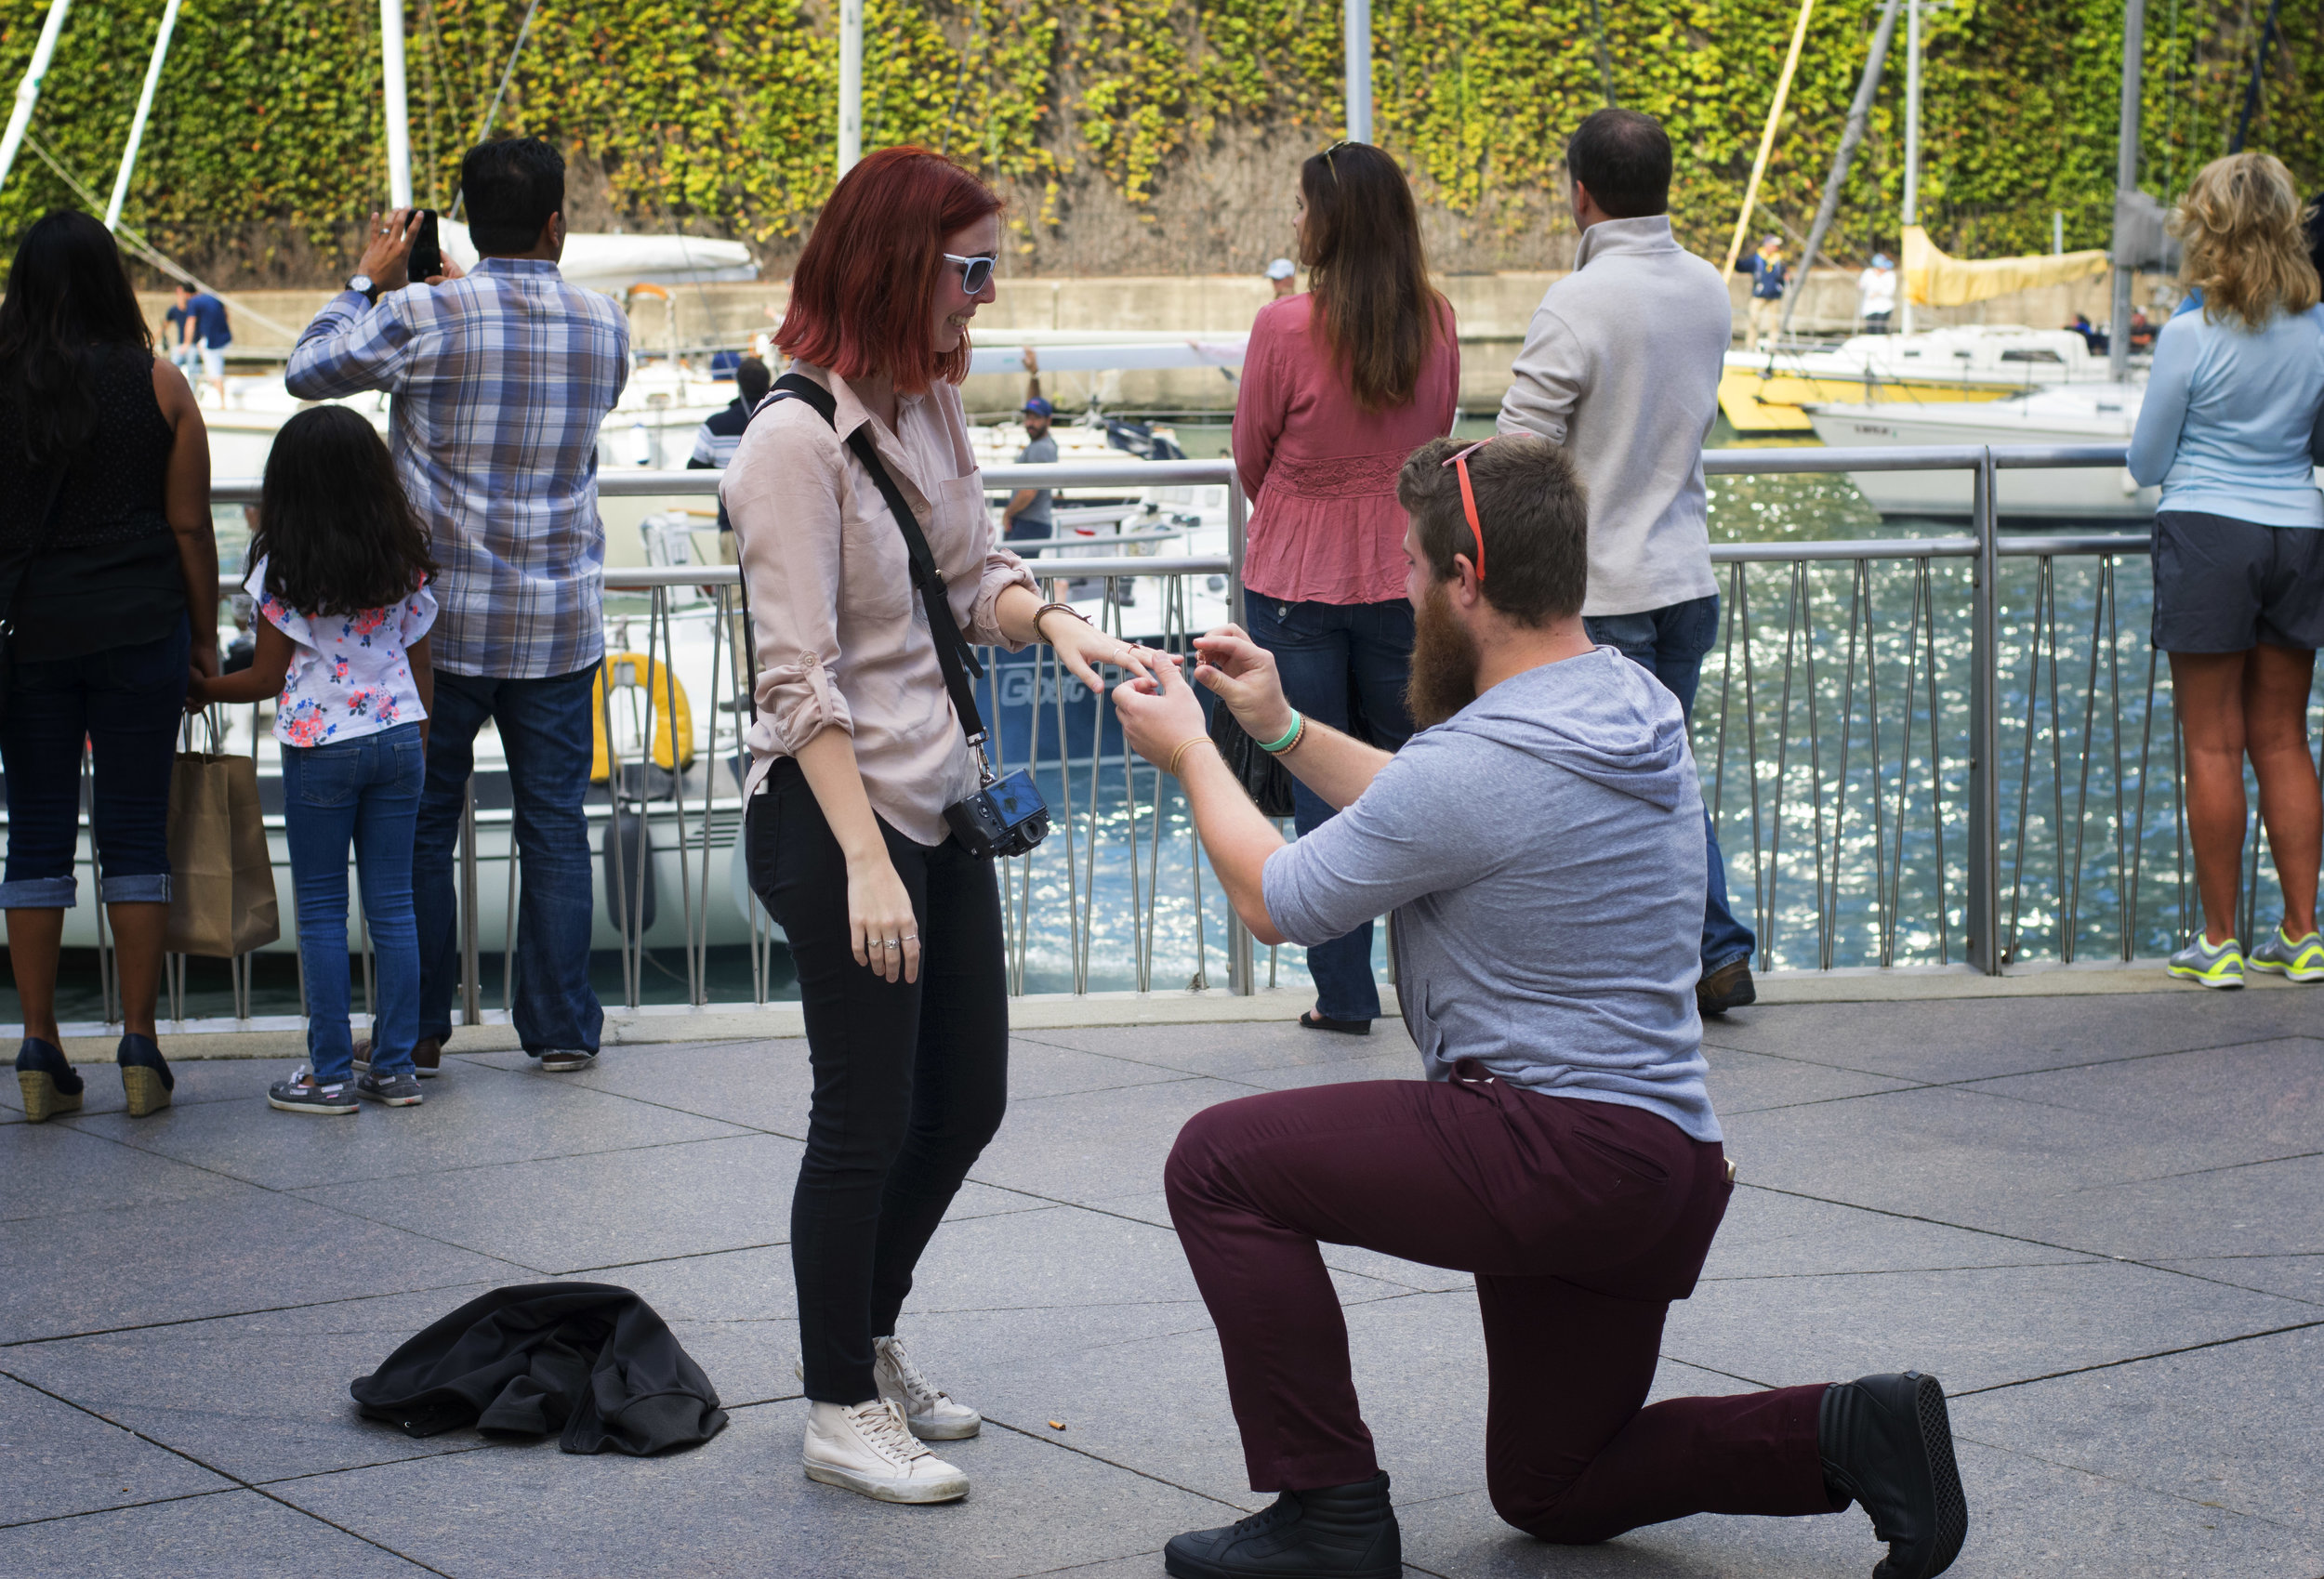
(109, 580)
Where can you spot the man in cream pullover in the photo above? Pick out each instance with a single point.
(1622, 367)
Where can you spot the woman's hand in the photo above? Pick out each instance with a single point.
(1159, 714)
(1243, 675)
(1081, 647)
(879, 920)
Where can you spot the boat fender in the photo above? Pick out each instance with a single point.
(624, 833)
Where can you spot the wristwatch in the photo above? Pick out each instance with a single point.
(361, 285)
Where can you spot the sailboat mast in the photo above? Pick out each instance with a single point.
(2125, 183)
(399, 115)
(145, 108)
(28, 90)
(1851, 133)
(850, 84)
(1912, 138)
(1356, 62)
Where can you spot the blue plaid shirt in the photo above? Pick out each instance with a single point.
(499, 380)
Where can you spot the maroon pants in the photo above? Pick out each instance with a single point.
(1582, 1220)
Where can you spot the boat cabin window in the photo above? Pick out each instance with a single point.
(2049, 357)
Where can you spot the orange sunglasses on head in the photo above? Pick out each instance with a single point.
(1469, 498)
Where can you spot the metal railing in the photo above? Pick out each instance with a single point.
(1886, 790)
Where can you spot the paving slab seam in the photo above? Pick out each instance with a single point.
(120, 1507)
(2119, 1480)
(661, 1260)
(237, 1315)
(200, 1462)
(1050, 1439)
(1915, 1271)
(446, 1169)
(1908, 1083)
(2223, 1168)
(2142, 1358)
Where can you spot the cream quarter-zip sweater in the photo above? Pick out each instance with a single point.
(1621, 366)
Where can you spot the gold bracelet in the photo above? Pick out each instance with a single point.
(1047, 608)
(1183, 747)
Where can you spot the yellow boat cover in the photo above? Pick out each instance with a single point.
(1933, 280)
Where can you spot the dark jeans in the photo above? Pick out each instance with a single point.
(910, 1079)
(126, 703)
(1582, 1220)
(1343, 665)
(1670, 643)
(545, 734)
(364, 791)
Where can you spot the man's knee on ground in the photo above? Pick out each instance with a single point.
(1543, 1508)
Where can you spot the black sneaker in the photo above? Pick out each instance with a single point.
(46, 1077)
(1334, 1533)
(390, 1090)
(300, 1094)
(1887, 1443)
(1725, 987)
(565, 1060)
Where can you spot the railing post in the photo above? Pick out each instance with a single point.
(1239, 979)
(1983, 918)
(471, 1012)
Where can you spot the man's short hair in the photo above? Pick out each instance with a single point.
(1624, 158)
(510, 187)
(752, 380)
(1536, 517)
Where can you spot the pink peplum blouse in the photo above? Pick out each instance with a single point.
(1321, 471)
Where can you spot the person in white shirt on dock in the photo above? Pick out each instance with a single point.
(1621, 366)
(1876, 294)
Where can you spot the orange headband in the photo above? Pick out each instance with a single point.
(1460, 464)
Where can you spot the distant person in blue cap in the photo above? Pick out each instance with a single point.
(1028, 513)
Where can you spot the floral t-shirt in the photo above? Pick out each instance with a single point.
(351, 676)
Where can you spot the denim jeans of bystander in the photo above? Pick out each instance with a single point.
(364, 791)
(545, 734)
(1343, 665)
(1671, 644)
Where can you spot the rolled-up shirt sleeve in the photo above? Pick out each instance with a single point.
(1002, 570)
(1403, 837)
(782, 494)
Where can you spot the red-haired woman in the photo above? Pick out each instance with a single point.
(1341, 384)
(855, 752)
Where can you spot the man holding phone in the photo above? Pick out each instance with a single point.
(500, 378)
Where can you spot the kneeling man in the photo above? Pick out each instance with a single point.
(1540, 846)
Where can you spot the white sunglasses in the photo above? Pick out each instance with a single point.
(975, 272)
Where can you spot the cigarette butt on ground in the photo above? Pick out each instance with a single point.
(1057, 1425)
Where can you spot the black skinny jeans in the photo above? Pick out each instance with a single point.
(910, 1080)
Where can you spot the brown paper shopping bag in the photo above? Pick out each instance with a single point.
(222, 880)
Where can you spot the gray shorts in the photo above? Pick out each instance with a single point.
(2228, 586)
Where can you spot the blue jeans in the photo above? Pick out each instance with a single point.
(1343, 665)
(126, 703)
(364, 791)
(545, 732)
(1669, 643)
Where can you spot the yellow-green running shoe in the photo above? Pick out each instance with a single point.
(2198, 962)
(2301, 959)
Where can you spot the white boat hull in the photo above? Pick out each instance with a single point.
(2100, 415)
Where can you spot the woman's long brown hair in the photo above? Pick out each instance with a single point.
(1375, 311)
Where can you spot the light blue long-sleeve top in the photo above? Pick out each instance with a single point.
(2229, 419)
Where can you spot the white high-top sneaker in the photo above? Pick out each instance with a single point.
(933, 1416)
(867, 1447)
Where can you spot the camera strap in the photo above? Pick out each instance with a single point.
(954, 655)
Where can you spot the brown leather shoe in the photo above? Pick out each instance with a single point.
(427, 1058)
(1725, 987)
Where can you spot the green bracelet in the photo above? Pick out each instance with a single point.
(1290, 736)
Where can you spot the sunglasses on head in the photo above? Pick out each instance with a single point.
(975, 272)
(1460, 464)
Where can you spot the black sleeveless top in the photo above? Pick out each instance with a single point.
(106, 572)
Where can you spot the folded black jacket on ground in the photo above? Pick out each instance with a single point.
(587, 1359)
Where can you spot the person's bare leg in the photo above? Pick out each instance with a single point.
(138, 930)
(2208, 689)
(34, 939)
(2276, 687)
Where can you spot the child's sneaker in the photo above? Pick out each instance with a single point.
(2198, 962)
(2301, 959)
(302, 1094)
(391, 1090)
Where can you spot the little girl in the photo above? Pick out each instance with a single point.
(338, 571)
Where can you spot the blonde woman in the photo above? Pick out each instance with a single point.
(2229, 427)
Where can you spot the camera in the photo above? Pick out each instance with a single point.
(1005, 817)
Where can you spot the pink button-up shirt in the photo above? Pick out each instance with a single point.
(843, 641)
(1321, 470)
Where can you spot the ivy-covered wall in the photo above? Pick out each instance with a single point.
(1124, 129)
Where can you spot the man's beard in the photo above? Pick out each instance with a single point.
(1445, 660)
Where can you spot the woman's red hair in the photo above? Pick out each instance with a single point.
(859, 296)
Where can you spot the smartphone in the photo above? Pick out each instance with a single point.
(427, 259)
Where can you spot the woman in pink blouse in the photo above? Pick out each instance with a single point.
(857, 751)
(1340, 384)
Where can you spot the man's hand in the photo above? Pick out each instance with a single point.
(452, 269)
(388, 249)
(1159, 713)
(1243, 675)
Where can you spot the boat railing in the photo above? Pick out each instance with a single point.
(1951, 750)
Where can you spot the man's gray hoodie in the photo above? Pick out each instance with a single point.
(1542, 850)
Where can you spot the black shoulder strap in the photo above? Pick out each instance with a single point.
(954, 654)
